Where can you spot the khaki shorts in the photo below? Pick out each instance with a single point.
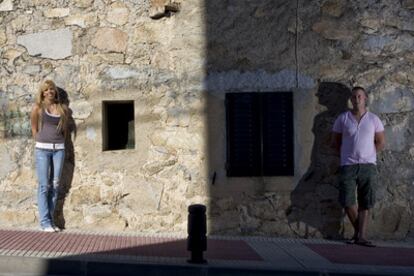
(358, 181)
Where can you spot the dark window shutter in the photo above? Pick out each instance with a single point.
(259, 134)
(243, 134)
(277, 133)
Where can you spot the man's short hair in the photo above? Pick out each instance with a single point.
(355, 88)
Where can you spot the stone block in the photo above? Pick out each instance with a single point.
(3, 37)
(60, 48)
(370, 24)
(155, 167)
(56, 13)
(118, 13)
(248, 224)
(141, 196)
(157, 9)
(391, 99)
(89, 194)
(228, 221)
(11, 54)
(383, 45)
(178, 116)
(275, 228)
(126, 72)
(333, 71)
(81, 20)
(83, 3)
(17, 217)
(110, 40)
(396, 136)
(332, 30)
(370, 77)
(32, 70)
(304, 230)
(112, 58)
(392, 222)
(102, 217)
(185, 140)
(225, 204)
(6, 5)
(77, 20)
(81, 109)
(8, 164)
(334, 7)
(408, 4)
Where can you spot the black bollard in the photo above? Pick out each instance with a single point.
(197, 229)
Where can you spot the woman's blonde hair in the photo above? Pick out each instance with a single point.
(60, 106)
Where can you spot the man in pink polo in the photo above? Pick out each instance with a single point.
(358, 135)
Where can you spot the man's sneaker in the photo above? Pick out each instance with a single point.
(57, 229)
(48, 229)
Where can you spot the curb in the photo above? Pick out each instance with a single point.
(44, 266)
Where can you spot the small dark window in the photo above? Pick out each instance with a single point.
(259, 134)
(118, 125)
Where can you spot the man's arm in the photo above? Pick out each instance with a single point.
(379, 141)
(336, 141)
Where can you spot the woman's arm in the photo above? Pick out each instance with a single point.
(34, 120)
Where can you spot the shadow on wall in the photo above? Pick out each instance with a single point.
(314, 201)
(68, 165)
(247, 44)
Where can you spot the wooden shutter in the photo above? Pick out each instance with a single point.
(243, 134)
(259, 134)
(277, 134)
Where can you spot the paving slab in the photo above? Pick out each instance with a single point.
(31, 252)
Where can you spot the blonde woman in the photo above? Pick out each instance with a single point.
(49, 120)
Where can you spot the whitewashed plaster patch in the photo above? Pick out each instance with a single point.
(55, 44)
(261, 81)
(91, 133)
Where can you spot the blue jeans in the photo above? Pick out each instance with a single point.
(49, 164)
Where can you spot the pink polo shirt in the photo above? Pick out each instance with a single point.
(358, 145)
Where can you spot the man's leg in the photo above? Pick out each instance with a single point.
(352, 213)
(347, 187)
(362, 224)
(367, 178)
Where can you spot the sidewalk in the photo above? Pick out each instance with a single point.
(32, 252)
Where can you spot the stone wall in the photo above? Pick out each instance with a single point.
(98, 51)
(176, 60)
(313, 48)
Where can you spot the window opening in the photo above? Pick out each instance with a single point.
(118, 125)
